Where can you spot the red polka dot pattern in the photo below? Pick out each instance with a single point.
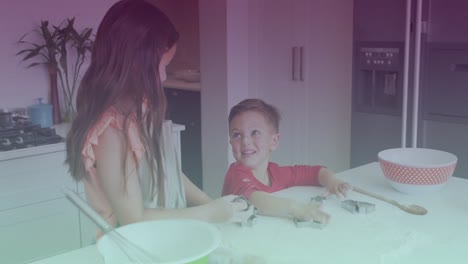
(418, 176)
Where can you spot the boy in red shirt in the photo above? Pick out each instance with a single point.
(254, 134)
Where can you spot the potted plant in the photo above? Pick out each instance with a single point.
(63, 50)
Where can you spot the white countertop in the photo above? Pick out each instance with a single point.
(179, 84)
(387, 235)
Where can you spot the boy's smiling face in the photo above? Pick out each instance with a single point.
(252, 139)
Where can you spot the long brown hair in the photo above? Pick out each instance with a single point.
(124, 70)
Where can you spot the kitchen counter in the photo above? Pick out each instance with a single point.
(179, 84)
(61, 130)
(387, 235)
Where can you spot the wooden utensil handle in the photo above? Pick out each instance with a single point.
(412, 209)
(376, 196)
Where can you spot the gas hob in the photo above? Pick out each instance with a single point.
(25, 135)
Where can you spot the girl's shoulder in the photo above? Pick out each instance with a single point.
(112, 117)
(111, 122)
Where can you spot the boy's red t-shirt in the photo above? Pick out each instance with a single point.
(240, 180)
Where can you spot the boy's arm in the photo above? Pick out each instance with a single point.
(270, 205)
(334, 185)
(325, 177)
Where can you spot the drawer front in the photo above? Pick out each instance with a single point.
(33, 179)
(37, 231)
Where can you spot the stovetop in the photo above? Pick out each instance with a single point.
(24, 135)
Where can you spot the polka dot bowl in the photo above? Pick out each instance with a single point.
(417, 170)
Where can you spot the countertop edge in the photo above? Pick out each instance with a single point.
(31, 151)
(44, 149)
(178, 84)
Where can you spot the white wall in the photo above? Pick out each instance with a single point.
(238, 65)
(214, 93)
(20, 86)
(224, 74)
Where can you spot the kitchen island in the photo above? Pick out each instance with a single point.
(387, 235)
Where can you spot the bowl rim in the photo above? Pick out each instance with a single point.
(212, 229)
(418, 165)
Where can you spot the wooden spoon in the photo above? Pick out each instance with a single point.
(412, 209)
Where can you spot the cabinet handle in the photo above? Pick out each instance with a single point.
(294, 63)
(301, 63)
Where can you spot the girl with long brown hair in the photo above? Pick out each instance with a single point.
(119, 144)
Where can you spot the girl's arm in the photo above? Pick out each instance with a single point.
(126, 197)
(194, 195)
(270, 205)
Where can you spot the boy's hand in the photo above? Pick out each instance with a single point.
(309, 212)
(334, 185)
(338, 187)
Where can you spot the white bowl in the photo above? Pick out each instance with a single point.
(173, 241)
(417, 170)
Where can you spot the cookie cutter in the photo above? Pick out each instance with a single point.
(318, 199)
(312, 223)
(357, 207)
(252, 220)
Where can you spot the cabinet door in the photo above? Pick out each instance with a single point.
(36, 221)
(37, 231)
(33, 179)
(275, 43)
(327, 90)
(88, 229)
(316, 104)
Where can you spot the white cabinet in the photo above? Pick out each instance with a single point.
(303, 65)
(276, 45)
(87, 227)
(35, 220)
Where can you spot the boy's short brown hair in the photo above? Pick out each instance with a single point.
(269, 112)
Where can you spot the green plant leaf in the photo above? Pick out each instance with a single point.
(35, 64)
(33, 53)
(86, 34)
